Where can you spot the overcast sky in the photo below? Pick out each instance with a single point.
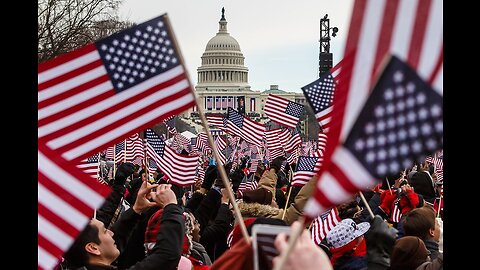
(279, 38)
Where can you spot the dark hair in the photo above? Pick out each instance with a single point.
(419, 221)
(77, 256)
(348, 209)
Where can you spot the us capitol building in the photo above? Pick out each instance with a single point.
(223, 80)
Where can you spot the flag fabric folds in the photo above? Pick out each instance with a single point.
(90, 166)
(180, 169)
(323, 224)
(244, 127)
(319, 95)
(99, 94)
(67, 198)
(282, 111)
(401, 122)
(411, 30)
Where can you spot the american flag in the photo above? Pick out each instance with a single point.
(110, 152)
(180, 169)
(290, 140)
(292, 158)
(319, 95)
(202, 143)
(90, 166)
(323, 224)
(411, 30)
(273, 140)
(120, 150)
(283, 111)
(437, 161)
(396, 214)
(306, 168)
(135, 148)
(322, 143)
(209, 103)
(67, 198)
(170, 124)
(401, 122)
(216, 120)
(101, 93)
(244, 127)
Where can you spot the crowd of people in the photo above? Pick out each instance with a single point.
(155, 224)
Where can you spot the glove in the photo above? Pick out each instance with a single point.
(409, 201)
(236, 178)
(386, 199)
(210, 176)
(380, 241)
(124, 170)
(277, 163)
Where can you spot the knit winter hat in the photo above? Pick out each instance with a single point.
(151, 232)
(345, 232)
(408, 253)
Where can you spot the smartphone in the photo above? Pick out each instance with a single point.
(263, 237)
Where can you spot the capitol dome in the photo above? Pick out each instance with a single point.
(223, 41)
(223, 66)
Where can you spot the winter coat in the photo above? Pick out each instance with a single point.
(199, 253)
(294, 211)
(435, 264)
(432, 246)
(167, 251)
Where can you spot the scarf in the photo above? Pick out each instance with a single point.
(349, 249)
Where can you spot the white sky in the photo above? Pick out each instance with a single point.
(279, 38)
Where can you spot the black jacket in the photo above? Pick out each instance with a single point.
(168, 249)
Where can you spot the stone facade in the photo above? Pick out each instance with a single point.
(223, 80)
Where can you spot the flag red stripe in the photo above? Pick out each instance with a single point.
(134, 116)
(74, 171)
(100, 129)
(356, 23)
(71, 110)
(438, 65)
(70, 75)
(58, 221)
(342, 179)
(66, 58)
(54, 250)
(418, 34)
(115, 107)
(64, 194)
(383, 46)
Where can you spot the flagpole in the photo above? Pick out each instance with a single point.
(388, 184)
(114, 159)
(439, 205)
(99, 168)
(289, 192)
(147, 173)
(220, 166)
(125, 151)
(366, 204)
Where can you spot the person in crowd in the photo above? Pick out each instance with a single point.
(423, 183)
(421, 222)
(98, 247)
(347, 245)
(409, 252)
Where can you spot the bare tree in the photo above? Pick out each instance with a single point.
(64, 25)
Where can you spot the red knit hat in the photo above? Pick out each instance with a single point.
(236, 233)
(153, 227)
